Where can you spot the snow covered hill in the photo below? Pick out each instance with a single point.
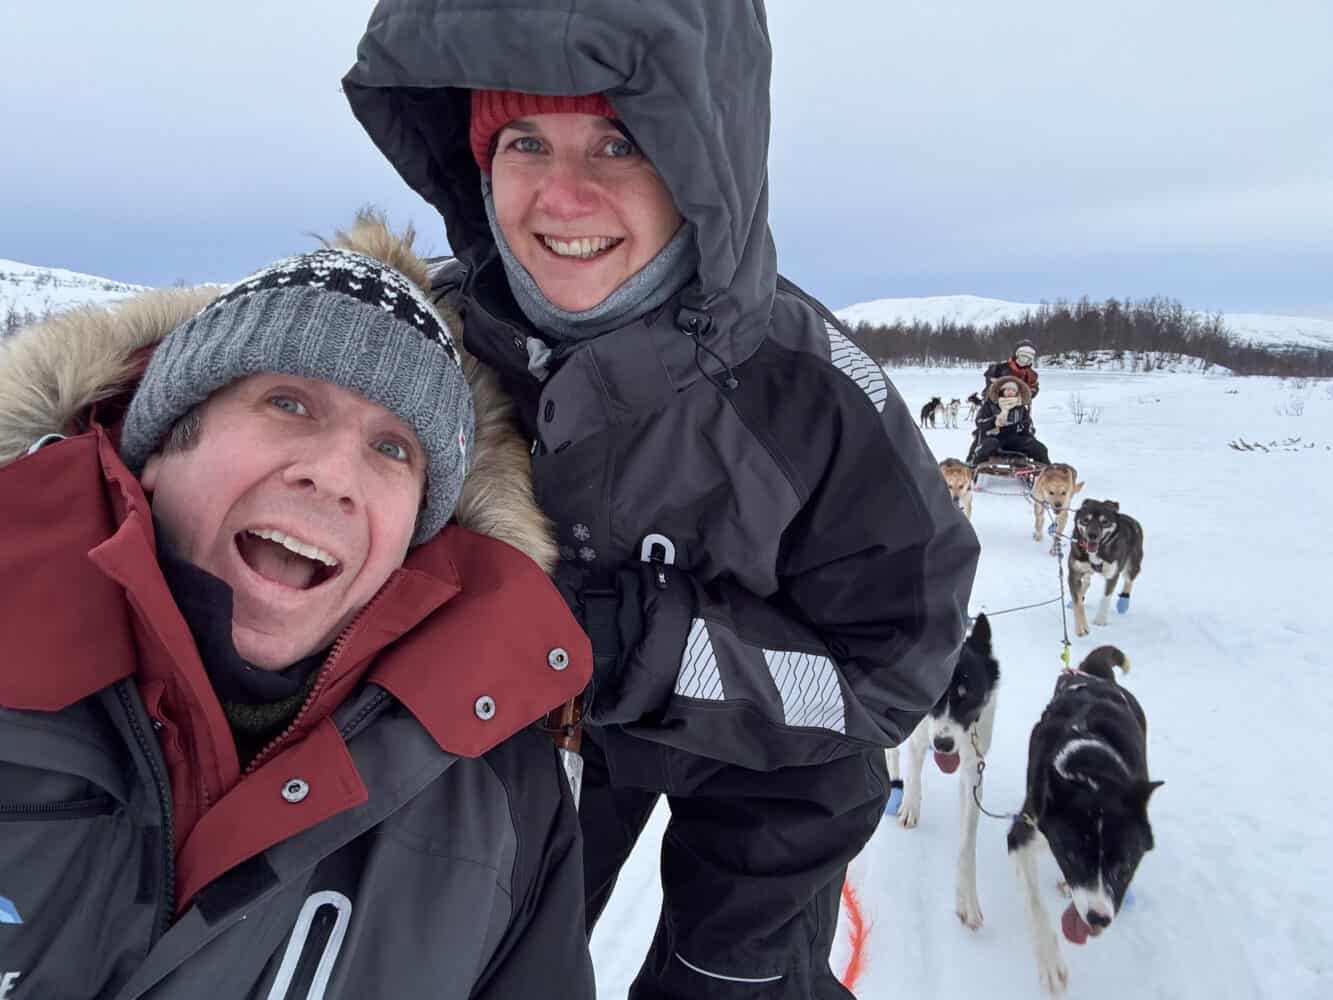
(1229, 657)
(1259, 328)
(29, 291)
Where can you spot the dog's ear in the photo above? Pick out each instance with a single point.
(1077, 487)
(1114, 505)
(980, 637)
(1144, 789)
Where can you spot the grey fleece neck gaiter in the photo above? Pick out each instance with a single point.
(646, 289)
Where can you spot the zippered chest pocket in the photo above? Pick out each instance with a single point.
(71, 867)
(73, 862)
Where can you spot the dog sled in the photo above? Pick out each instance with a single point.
(1008, 473)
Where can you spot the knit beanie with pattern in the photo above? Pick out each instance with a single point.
(492, 110)
(333, 315)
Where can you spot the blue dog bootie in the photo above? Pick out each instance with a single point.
(895, 798)
(1122, 603)
(1050, 529)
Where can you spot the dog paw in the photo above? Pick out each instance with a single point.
(1055, 978)
(1081, 630)
(1054, 549)
(1051, 968)
(1100, 620)
(909, 813)
(1036, 536)
(969, 912)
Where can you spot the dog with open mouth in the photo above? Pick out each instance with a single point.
(1087, 800)
(1106, 542)
(958, 731)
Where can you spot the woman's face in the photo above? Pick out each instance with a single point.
(580, 206)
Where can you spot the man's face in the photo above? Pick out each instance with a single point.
(579, 204)
(302, 496)
(1025, 356)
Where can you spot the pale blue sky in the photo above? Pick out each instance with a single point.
(1028, 149)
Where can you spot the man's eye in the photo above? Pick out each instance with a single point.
(394, 450)
(619, 148)
(292, 406)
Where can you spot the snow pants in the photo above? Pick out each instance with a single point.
(752, 863)
(1023, 444)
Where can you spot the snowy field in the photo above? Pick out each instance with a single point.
(1230, 661)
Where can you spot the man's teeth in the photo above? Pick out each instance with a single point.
(584, 246)
(295, 545)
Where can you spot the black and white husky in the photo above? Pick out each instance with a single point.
(1106, 542)
(957, 729)
(1087, 799)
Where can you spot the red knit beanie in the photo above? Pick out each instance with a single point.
(492, 110)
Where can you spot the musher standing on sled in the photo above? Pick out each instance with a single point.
(1019, 365)
(753, 531)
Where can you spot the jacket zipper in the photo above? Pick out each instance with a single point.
(77, 809)
(168, 896)
(339, 645)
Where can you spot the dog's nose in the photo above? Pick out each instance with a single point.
(1098, 920)
(944, 744)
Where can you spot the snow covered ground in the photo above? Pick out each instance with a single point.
(1230, 662)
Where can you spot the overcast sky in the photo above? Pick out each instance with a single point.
(1027, 150)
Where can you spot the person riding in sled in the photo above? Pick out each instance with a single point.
(264, 703)
(752, 528)
(1004, 424)
(1019, 364)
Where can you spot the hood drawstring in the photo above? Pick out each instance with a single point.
(696, 324)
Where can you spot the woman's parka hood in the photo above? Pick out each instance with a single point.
(52, 373)
(689, 78)
(997, 386)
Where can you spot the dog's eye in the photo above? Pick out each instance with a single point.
(962, 690)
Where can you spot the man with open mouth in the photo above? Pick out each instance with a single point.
(272, 653)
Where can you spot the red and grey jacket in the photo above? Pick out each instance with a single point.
(410, 801)
(1024, 373)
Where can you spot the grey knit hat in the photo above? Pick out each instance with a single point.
(333, 315)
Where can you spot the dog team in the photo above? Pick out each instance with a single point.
(1087, 786)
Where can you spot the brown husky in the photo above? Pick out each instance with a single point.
(958, 477)
(1056, 486)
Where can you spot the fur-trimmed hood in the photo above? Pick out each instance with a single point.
(52, 373)
(997, 385)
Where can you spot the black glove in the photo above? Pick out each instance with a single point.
(638, 627)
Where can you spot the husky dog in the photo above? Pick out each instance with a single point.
(1055, 487)
(930, 411)
(974, 402)
(951, 412)
(958, 477)
(1087, 800)
(1106, 542)
(958, 729)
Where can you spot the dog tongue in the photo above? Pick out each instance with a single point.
(948, 762)
(273, 562)
(1075, 928)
